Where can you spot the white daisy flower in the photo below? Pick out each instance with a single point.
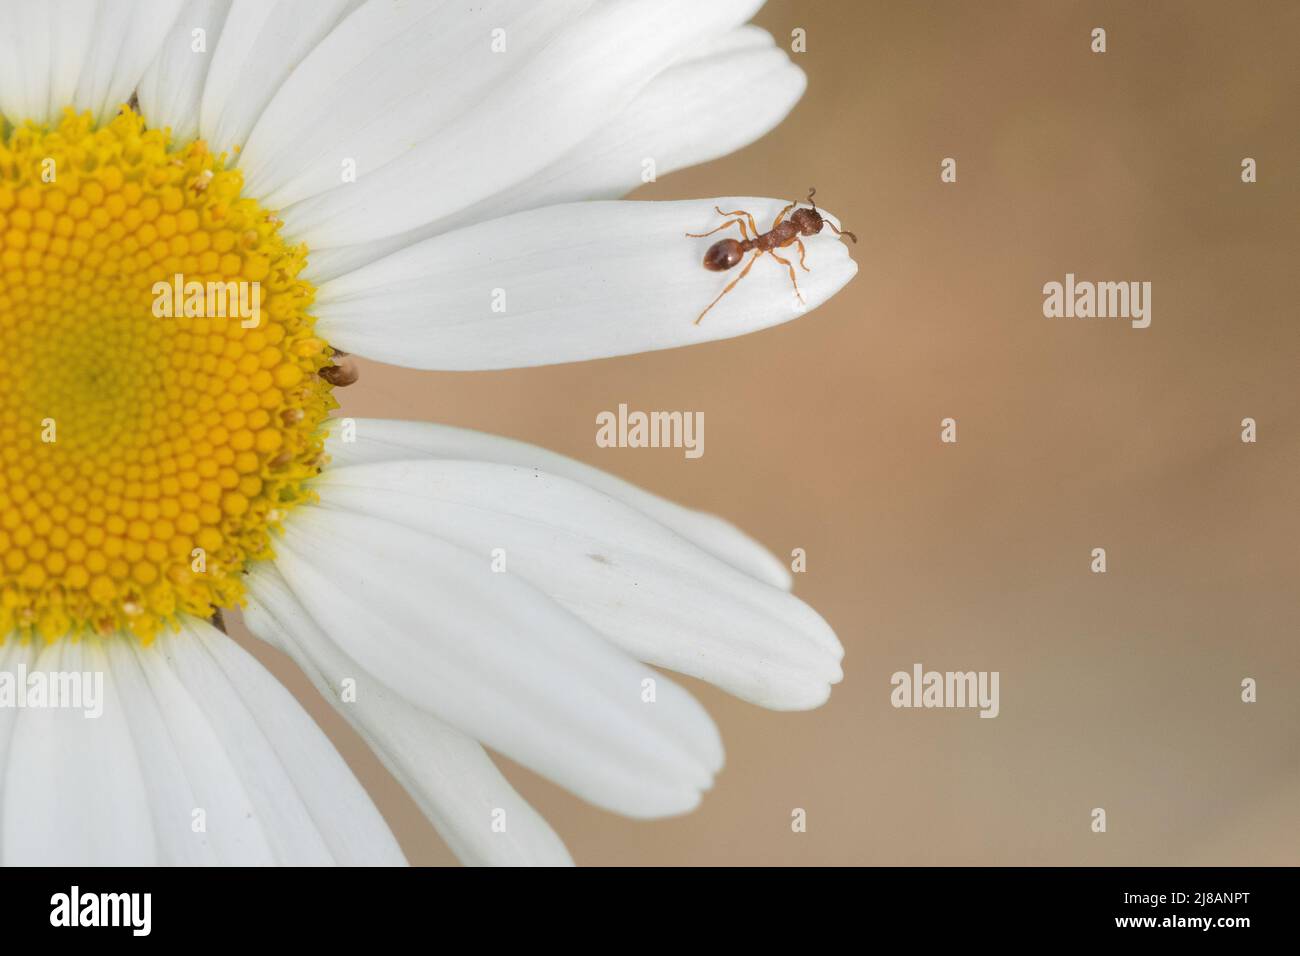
(378, 169)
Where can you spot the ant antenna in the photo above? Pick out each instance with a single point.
(838, 231)
(841, 232)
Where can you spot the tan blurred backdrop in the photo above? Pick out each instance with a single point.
(1119, 690)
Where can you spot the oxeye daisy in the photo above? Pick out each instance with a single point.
(373, 178)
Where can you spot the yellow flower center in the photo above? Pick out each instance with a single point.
(149, 440)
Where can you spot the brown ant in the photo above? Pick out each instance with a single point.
(727, 253)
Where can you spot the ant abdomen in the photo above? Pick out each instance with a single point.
(723, 255)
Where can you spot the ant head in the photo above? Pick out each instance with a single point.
(807, 221)
(722, 255)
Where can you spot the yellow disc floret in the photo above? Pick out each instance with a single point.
(160, 406)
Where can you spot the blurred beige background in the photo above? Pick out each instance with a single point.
(1118, 690)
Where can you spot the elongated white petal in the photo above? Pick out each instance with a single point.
(125, 40)
(448, 774)
(172, 87)
(582, 281)
(193, 730)
(276, 746)
(388, 76)
(499, 661)
(15, 655)
(376, 440)
(548, 100)
(183, 765)
(74, 788)
(720, 98)
(723, 95)
(42, 47)
(261, 43)
(650, 591)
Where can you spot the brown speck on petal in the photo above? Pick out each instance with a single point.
(340, 375)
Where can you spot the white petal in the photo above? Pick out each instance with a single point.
(448, 774)
(182, 763)
(74, 790)
(171, 88)
(275, 745)
(124, 41)
(708, 105)
(377, 439)
(42, 45)
(261, 43)
(13, 655)
(190, 722)
(583, 281)
(543, 105)
(720, 97)
(385, 78)
(499, 661)
(648, 590)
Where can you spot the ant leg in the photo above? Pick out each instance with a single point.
(733, 222)
(744, 272)
(781, 215)
(794, 282)
(802, 252)
(740, 212)
(839, 231)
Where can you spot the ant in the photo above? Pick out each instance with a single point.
(727, 253)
